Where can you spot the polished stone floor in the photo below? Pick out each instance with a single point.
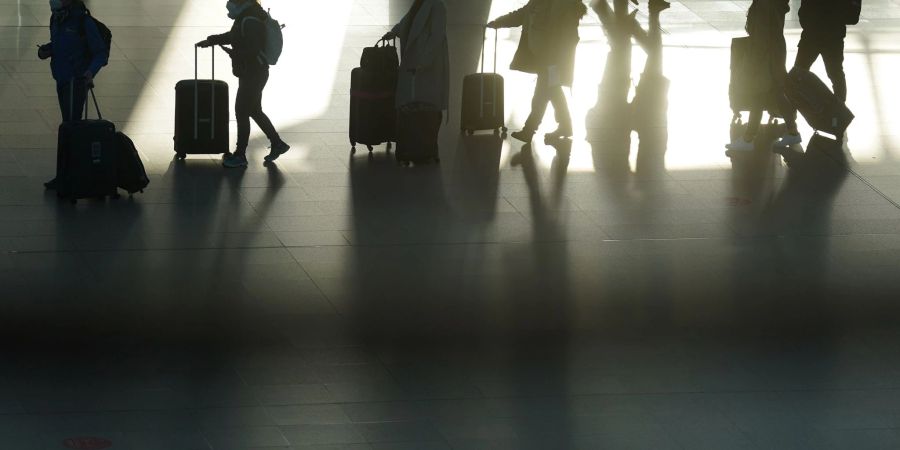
(633, 288)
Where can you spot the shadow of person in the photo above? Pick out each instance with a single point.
(475, 177)
(608, 125)
(650, 104)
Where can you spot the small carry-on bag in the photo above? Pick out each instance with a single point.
(417, 133)
(483, 98)
(741, 97)
(373, 87)
(130, 172)
(86, 157)
(202, 112)
(823, 110)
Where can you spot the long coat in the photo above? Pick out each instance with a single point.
(549, 36)
(423, 42)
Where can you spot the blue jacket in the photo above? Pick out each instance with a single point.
(76, 43)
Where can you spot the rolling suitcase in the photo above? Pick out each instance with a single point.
(130, 172)
(86, 157)
(373, 86)
(740, 98)
(418, 126)
(823, 110)
(483, 98)
(202, 113)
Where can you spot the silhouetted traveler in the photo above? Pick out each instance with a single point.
(425, 56)
(547, 49)
(77, 52)
(248, 39)
(824, 30)
(766, 67)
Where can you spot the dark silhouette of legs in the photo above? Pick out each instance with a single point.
(832, 51)
(248, 104)
(545, 94)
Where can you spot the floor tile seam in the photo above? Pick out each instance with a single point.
(874, 188)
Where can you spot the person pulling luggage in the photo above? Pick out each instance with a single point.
(766, 64)
(547, 49)
(247, 39)
(77, 52)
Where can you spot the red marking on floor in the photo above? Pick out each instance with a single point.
(87, 443)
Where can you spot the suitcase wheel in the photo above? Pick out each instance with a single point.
(470, 132)
(352, 150)
(504, 129)
(370, 148)
(389, 145)
(180, 155)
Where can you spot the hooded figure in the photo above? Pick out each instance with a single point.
(247, 39)
(425, 55)
(547, 49)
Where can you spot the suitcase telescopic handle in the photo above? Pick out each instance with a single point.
(86, 105)
(212, 119)
(484, 47)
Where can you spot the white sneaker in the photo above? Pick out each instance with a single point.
(740, 145)
(788, 139)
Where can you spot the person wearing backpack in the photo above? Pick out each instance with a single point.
(77, 51)
(250, 64)
(547, 49)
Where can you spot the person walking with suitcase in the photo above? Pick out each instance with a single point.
(423, 82)
(547, 49)
(824, 24)
(77, 51)
(764, 72)
(248, 40)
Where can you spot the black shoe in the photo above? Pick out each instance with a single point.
(560, 133)
(51, 185)
(525, 135)
(279, 148)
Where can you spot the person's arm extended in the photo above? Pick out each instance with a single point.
(99, 51)
(218, 39)
(511, 20)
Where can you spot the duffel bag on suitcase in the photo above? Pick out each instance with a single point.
(418, 126)
(373, 116)
(202, 112)
(381, 58)
(823, 110)
(130, 172)
(483, 98)
(86, 157)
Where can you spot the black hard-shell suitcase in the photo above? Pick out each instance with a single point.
(202, 113)
(483, 99)
(130, 172)
(373, 87)
(739, 97)
(418, 126)
(823, 110)
(86, 158)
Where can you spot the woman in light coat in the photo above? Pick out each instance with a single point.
(424, 76)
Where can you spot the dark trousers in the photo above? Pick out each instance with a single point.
(248, 105)
(831, 47)
(72, 96)
(545, 94)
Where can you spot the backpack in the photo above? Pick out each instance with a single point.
(274, 39)
(104, 30)
(853, 11)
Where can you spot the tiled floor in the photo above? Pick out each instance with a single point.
(630, 290)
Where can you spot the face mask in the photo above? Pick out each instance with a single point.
(233, 9)
(56, 5)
